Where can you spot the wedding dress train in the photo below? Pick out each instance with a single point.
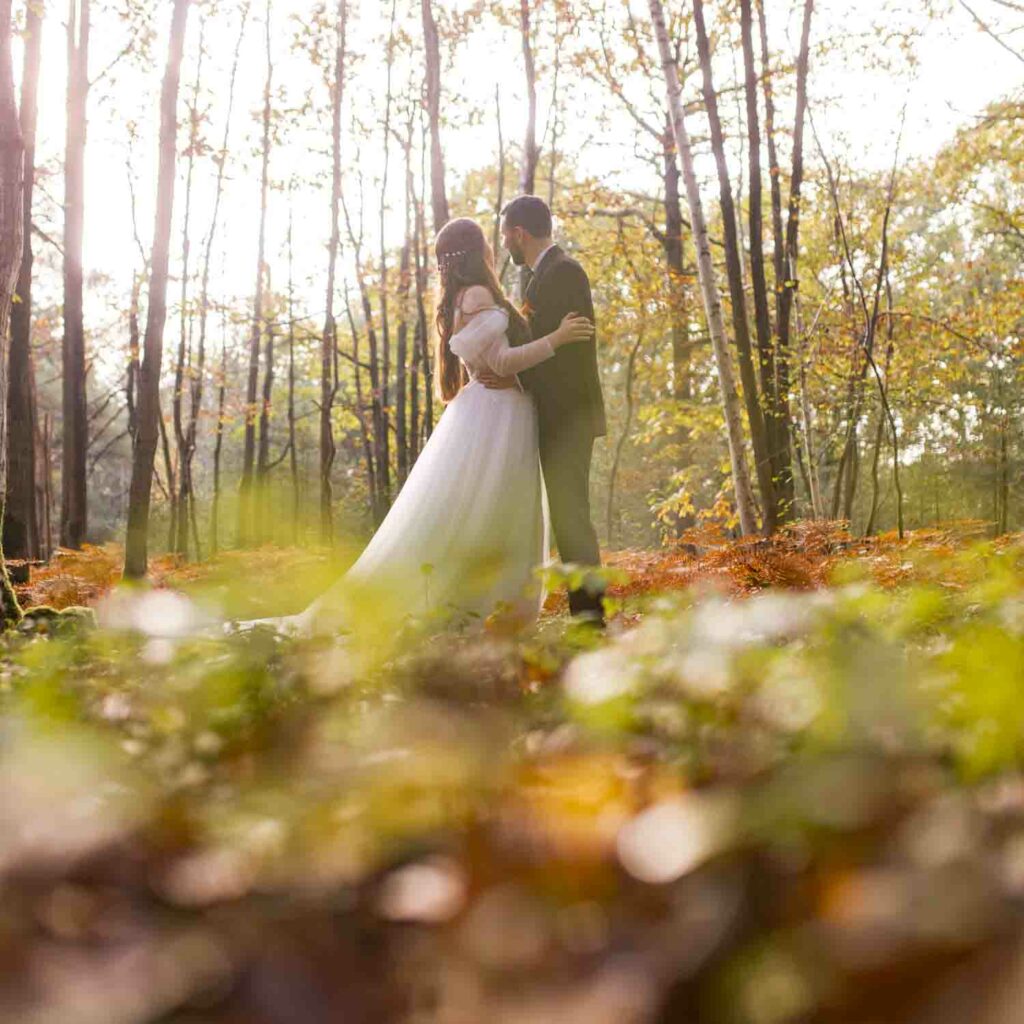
(467, 528)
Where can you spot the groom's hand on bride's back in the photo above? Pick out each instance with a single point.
(493, 382)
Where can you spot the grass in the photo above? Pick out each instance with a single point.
(785, 787)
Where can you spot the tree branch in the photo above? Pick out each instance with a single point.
(110, 67)
(990, 32)
(46, 238)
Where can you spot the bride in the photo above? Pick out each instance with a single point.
(467, 528)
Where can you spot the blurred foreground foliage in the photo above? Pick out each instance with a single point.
(787, 786)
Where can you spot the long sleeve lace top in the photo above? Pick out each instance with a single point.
(482, 343)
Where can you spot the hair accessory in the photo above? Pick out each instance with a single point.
(449, 261)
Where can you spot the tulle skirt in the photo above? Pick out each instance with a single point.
(467, 529)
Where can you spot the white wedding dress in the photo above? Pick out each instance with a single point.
(467, 530)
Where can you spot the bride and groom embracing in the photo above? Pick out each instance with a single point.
(523, 397)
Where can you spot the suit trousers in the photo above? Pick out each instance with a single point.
(566, 449)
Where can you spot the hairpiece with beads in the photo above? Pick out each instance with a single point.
(446, 259)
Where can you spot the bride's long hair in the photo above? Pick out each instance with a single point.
(463, 259)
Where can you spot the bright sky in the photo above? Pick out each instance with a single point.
(959, 71)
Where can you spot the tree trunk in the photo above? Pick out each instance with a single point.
(499, 200)
(21, 522)
(734, 273)
(139, 280)
(12, 212)
(414, 395)
(865, 345)
(172, 478)
(377, 411)
(402, 352)
(401, 374)
(709, 285)
(44, 485)
(329, 338)
(671, 241)
(420, 418)
(776, 424)
(262, 495)
(422, 263)
(75, 414)
(183, 364)
(554, 113)
(870, 526)
(384, 438)
(869, 529)
(364, 430)
(531, 152)
(781, 423)
(1003, 521)
(245, 495)
(218, 441)
(883, 393)
(198, 377)
(375, 432)
(851, 479)
(627, 426)
(293, 450)
(131, 388)
(672, 245)
(136, 547)
(438, 196)
(810, 472)
(413, 241)
(774, 169)
(789, 268)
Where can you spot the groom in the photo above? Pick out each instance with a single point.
(567, 388)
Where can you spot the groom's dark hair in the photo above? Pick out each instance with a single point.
(530, 213)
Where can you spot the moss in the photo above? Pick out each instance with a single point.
(44, 619)
(80, 614)
(11, 610)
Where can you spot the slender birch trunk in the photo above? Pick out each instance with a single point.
(531, 151)
(364, 430)
(245, 497)
(384, 439)
(218, 439)
(412, 272)
(377, 501)
(672, 246)
(74, 515)
(261, 518)
(329, 337)
(183, 364)
(734, 273)
(709, 285)
(293, 451)
(137, 543)
(499, 200)
(198, 378)
(403, 460)
(422, 263)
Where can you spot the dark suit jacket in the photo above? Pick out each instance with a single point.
(566, 387)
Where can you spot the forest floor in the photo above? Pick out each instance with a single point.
(806, 556)
(786, 786)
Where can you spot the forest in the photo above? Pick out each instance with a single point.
(786, 783)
